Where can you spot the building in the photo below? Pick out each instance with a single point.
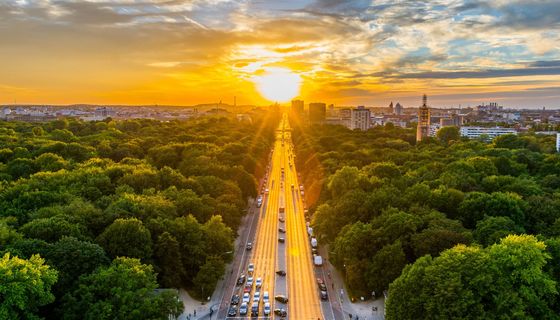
(398, 110)
(423, 129)
(490, 133)
(317, 112)
(360, 118)
(391, 110)
(558, 142)
(297, 106)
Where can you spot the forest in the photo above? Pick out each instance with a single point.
(449, 228)
(97, 217)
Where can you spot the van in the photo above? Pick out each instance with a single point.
(314, 242)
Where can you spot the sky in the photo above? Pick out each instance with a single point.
(458, 52)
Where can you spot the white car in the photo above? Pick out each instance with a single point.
(246, 298)
(243, 309)
(266, 309)
(257, 297)
(250, 281)
(251, 268)
(266, 297)
(258, 283)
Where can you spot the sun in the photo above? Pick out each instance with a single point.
(278, 84)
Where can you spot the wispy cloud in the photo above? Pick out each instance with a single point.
(352, 51)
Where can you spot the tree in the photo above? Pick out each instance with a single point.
(167, 254)
(73, 258)
(208, 275)
(127, 238)
(346, 179)
(25, 285)
(385, 266)
(504, 281)
(52, 229)
(448, 134)
(123, 290)
(491, 229)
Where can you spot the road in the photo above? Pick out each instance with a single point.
(269, 255)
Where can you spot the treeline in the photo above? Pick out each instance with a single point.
(103, 213)
(384, 204)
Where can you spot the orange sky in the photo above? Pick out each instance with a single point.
(345, 52)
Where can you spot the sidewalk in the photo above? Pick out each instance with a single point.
(363, 310)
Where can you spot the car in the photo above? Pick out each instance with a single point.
(247, 288)
(281, 219)
(241, 279)
(249, 246)
(314, 251)
(321, 284)
(250, 281)
(281, 298)
(232, 311)
(255, 309)
(292, 186)
(266, 297)
(266, 310)
(282, 230)
(257, 297)
(258, 282)
(251, 268)
(246, 297)
(266, 191)
(280, 312)
(281, 273)
(324, 295)
(281, 240)
(243, 309)
(235, 299)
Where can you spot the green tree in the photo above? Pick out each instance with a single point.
(385, 266)
(25, 285)
(123, 290)
(448, 134)
(491, 229)
(503, 281)
(167, 254)
(127, 238)
(208, 275)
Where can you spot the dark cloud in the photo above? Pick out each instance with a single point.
(529, 14)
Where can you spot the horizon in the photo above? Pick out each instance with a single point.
(350, 53)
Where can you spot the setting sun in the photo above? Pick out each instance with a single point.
(278, 84)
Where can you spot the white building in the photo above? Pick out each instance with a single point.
(491, 133)
(558, 142)
(360, 118)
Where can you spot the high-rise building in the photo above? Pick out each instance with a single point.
(391, 107)
(398, 109)
(360, 118)
(317, 112)
(423, 129)
(297, 106)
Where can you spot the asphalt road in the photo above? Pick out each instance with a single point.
(269, 254)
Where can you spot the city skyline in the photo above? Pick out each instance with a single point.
(459, 52)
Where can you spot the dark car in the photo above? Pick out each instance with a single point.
(282, 240)
(241, 280)
(281, 298)
(281, 273)
(249, 246)
(235, 299)
(282, 230)
(324, 295)
(314, 250)
(280, 312)
(232, 311)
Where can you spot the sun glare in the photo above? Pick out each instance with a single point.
(278, 84)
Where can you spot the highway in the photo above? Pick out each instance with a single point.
(282, 208)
